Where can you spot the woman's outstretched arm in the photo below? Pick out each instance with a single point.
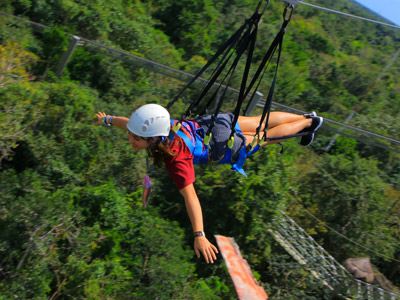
(193, 207)
(117, 121)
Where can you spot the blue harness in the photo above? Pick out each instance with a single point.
(200, 152)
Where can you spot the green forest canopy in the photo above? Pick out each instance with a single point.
(72, 223)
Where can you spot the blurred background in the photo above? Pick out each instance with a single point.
(72, 224)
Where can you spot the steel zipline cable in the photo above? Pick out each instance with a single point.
(178, 74)
(348, 15)
(181, 75)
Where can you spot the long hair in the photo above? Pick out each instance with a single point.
(159, 150)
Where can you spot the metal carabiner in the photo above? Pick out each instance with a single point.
(255, 141)
(288, 12)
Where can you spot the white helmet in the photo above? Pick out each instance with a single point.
(150, 120)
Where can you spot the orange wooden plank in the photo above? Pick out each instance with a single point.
(246, 286)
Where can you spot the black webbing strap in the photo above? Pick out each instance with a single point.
(266, 60)
(256, 87)
(227, 45)
(217, 91)
(205, 90)
(226, 57)
(277, 43)
(242, 91)
(213, 79)
(263, 66)
(249, 39)
(219, 103)
(224, 48)
(271, 91)
(241, 46)
(216, 96)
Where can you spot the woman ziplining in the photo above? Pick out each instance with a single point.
(226, 138)
(150, 128)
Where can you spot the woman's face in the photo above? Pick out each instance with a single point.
(137, 142)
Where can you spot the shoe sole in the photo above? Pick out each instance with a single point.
(319, 125)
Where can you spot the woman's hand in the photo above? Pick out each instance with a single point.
(208, 250)
(100, 115)
(201, 244)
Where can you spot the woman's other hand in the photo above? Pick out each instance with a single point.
(100, 115)
(204, 247)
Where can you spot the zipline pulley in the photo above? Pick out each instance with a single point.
(292, 3)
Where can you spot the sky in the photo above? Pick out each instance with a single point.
(389, 9)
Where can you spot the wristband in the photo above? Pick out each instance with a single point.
(199, 233)
(107, 121)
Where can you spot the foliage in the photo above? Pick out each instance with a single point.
(71, 220)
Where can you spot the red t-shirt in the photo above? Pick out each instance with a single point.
(180, 166)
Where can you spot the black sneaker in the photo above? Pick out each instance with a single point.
(315, 125)
(308, 116)
(308, 138)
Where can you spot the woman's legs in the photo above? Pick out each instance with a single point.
(280, 124)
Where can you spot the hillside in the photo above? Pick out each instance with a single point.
(72, 223)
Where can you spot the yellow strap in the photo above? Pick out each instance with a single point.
(231, 142)
(176, 127)
(207, 139)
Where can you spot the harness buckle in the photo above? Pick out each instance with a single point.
(176, 127)
(207, 139)
(231, 142)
